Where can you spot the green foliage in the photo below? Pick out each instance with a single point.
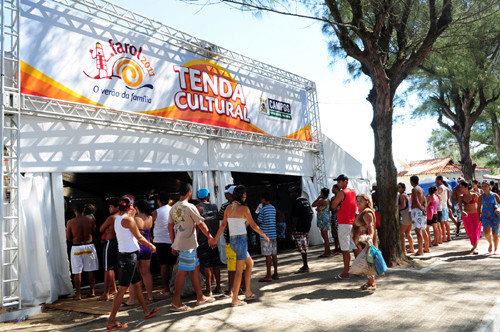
(460, 79)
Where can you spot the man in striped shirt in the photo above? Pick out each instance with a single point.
(267, 222)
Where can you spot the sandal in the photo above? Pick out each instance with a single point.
(239, 304)
(368, 287)
(339, 277)
(180, 309)
(152, 313)
(116, 326)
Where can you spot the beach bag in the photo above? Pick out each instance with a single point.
(361, 266)
(378, 260)
(369, 255)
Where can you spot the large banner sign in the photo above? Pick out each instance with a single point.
(73, 57)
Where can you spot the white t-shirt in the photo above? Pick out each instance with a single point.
(160, 231)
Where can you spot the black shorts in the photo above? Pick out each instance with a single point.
(128, 263)
(433, 220)
(440, 216)
(110, 255)
(207, 256)
(164, 254)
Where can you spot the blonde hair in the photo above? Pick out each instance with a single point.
(368, 201)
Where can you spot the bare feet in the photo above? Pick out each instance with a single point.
(275, 276)
(104, 297)
(490, 248)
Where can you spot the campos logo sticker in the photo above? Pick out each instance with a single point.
(276, 108)
(122, 61)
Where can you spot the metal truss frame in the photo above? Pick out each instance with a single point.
(10, 286)
(13, 104)
(62, 110)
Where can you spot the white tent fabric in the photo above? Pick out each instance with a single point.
(44, 267)
(338, 161)
(311, 191)
(223, 178)
(205, 179)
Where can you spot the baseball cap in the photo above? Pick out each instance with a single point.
(229, 190)
(341, 177)
(202, 193)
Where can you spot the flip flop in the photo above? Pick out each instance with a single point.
(265, 280)
(207, 300)
(165, 293)
(250, 298)
(152, 313)
(239, 304)
(339, 277)
(275, 276)
(116, 326)
(180, 309)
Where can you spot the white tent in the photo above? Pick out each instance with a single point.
(52, 146)
(74, 122)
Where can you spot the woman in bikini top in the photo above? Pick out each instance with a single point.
(467, 202)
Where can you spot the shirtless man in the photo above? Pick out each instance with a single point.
(80, 231)
(455, 194)
(418, 215)
(110, 251)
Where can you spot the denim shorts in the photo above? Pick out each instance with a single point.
(239, 244)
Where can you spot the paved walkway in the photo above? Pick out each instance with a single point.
(447, 290)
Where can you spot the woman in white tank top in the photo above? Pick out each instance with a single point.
(237, 216)
(129, 237)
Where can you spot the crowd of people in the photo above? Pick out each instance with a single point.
(188, 232)
(473, 206)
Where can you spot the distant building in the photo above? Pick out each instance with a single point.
(427, 170)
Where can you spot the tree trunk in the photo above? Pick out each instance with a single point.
(496, 130)
(468, 168)
(390, 243)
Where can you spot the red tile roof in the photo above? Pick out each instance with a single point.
(435, 166)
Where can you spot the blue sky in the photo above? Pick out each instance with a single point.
(296, 45)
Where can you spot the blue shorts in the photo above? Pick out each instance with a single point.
(239, 244)
(188, 260)
(445, 215)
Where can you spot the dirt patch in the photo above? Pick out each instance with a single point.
(48, 320)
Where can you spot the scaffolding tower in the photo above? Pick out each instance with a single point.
(13, 103)
(10, 287)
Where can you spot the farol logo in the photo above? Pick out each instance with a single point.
(121, 61)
